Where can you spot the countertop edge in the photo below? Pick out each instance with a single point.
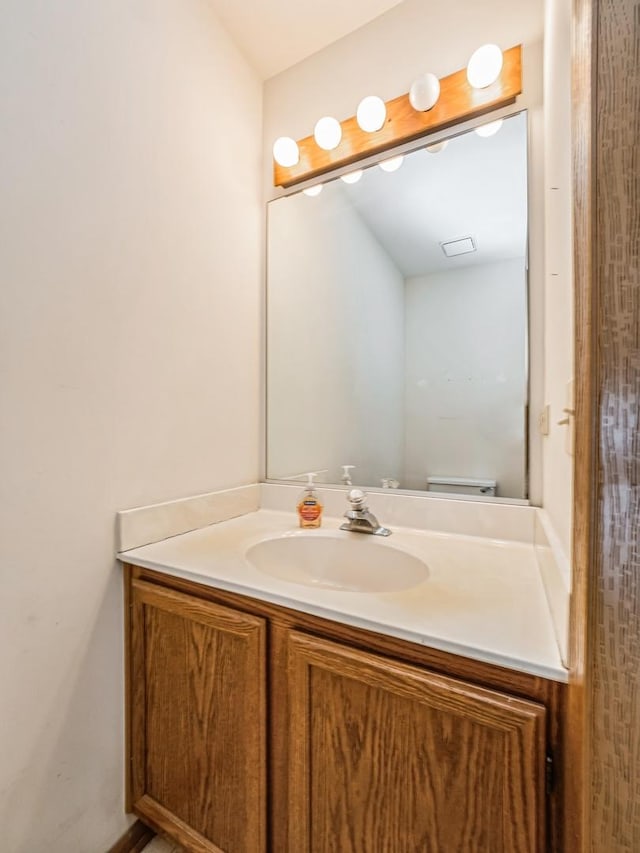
(558, 674)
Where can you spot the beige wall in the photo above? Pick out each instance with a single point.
(465, 392)
(129, 352)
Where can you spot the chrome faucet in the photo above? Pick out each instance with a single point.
(359, 518)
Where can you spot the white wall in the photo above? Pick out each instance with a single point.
(558, 463)
(336, 383)
(383, 58)
(129, 335)
(466, 376)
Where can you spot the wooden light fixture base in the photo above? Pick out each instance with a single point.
(458, 102)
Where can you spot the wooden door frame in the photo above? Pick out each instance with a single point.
(602, 812)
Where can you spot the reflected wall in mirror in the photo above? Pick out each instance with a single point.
(385, 353)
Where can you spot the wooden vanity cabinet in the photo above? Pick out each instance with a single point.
(197, 717)
(375, 745)
(384, 756)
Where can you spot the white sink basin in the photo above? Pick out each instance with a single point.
(342, 561)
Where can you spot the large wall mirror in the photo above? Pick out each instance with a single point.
(397, 322)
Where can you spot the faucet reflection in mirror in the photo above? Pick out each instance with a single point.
(384, 351)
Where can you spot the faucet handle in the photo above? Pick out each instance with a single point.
(357, 498)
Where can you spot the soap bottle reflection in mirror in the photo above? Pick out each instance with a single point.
(346, 475)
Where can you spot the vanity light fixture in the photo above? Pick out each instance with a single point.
(313, 191)
(352, 177)
(462, 246)
(437, 147)
(485, 66)
(328, 133)
(286, 152)
(343, 144)
(424, 92)
(392, 164)
(371, 114)
(490, 129)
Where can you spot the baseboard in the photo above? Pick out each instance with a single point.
(134, 840)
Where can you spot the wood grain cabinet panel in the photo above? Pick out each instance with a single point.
(198, 720)
(374, 745)
(386, 757)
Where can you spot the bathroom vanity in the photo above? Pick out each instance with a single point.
(263, 717)
(326, 693)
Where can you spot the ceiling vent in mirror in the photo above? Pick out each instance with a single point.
(453, 248)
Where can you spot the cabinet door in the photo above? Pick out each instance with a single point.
(389, 758)
(197, 718)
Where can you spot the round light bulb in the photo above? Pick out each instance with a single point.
(285, 151)
(424, 92)
(328, 133)
(484, 66)
(371, 113)
(437, 147)
(392, 164)
(313, 191)
(490, 129)
(352, 177)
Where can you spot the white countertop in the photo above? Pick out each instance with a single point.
(483, 599)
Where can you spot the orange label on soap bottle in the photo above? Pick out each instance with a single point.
(310, 510)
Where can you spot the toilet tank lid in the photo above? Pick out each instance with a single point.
(461, 481)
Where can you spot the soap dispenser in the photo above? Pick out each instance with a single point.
(309, 505)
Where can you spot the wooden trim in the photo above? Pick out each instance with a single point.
(613, 594)
(204, 613)
(458, 102)
(299, 758)
(279, 722)
(603, 729)
(137, 703)
(134, 839)
(484, 674)
(445, 694)
(167, 823)
(128, 786)
(586, 451)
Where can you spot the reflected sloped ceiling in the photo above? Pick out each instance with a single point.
(475, 187)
